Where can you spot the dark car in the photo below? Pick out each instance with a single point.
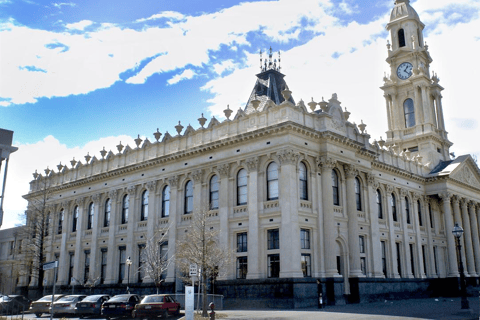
(42, 305)
(91, 305)
(66, 305)
(120, 305)
(14, 304)
(156, 305)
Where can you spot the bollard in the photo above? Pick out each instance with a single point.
(212, 314)
(320, 300)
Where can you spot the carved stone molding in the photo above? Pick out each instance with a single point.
(197, 175)
(288, 156)
(96, 197)
(350, 170)
(131, 190)
(372, 181)
(113, 194)
(445, 196)
(173, 181)
(326, 163)
(455, 200)
(151, 186)
(463, 202)
(466, 176)
(389, 188)
(427, 200)
(80, 201)
(416, 196)
(223, 170)
(403, 192)
(252, 163)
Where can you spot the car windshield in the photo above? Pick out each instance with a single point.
(151, 299)
(68, 298)
(119, 299)
(91, 298)
(46, 298)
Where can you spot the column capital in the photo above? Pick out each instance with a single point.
(326, 163)
(403, 192)
(173, 181)
(152, 186)
(288, 156)
(464, 202)
(416, 196)
(445, 196)
(472, 204)
(113, 194)
(197, 175)
(131, 190)
(252, 163)
(389, 188)
(223, 170)
(350, 170)
(96, 198)
(372, 181)
(80, 201)
(455, 200)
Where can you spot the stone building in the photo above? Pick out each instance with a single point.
(307, 202)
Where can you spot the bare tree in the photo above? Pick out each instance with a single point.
(201, 247)
(155, 259)
(37, 223)
(91, 283)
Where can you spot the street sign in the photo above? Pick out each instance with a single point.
(50, 265)
(193, 270)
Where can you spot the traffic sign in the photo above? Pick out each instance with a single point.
(50, 265)
(193, 270)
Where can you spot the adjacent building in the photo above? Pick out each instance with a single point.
(309, 204)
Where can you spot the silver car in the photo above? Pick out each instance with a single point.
(66, 304)
(42, 305)
(91, 305)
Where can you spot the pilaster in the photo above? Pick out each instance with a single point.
(112, 249)
(253, 235)
(376, 258)
(475, 235)
(468, 239)
(451, 248)
(353, 241)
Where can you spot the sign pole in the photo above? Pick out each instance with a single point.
(53, 293)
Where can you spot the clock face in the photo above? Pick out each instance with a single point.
(404, 71)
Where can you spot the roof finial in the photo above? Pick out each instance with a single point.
(279, 67)
(260, 59)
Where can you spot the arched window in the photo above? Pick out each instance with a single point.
(60, 222)
(125, 204)
(189, 197)
(166, 201)
(379, 204)
(213, 199)
(336, 197)
(144, 209)
(75, 219)
(242, 187)
(108, 209)
(409, 110)
(272, 181)
(401, 38)
(407, 210)
(420, 220)
(393, 204)
(358, 194)
(303, 181)
(91, 211)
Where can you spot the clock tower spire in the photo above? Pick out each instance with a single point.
(413, 98)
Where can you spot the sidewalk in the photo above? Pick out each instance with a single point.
(432, 308)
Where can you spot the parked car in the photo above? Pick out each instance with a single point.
(156, 305)
(66, 304)
(91, 305)
(14, 304)
(120, 305)
(42, 305)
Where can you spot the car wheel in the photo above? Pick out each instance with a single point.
(165, 314)
(177, 311)
(38, 315)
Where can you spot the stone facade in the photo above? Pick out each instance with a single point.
(307, 202)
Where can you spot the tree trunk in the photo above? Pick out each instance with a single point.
(204, 294)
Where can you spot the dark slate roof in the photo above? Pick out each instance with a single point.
(446, 167)
(269, 86)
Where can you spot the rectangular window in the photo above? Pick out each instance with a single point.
(339, 265)
(399, 261)
(306, 265)
(70, 269)
(424, 260)
(305, 238)
(141, 269)
(363, 265)
(431, 215)
(242, 267)
(273, 265)
(242, 242)
(12, 248)
(57, 258)
(273, 239)
(412, 260)
(86, 272)
(384, 258)
(361, 241)
(121, 263)
(435, 259)
(103, 268)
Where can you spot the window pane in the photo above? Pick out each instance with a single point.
(273, 265)
(108, 208)
(144, 210)
(125, 205)
(272, 181)
(214, 192)
(409, 111)
(189, 197)
(166, 201)
(306, 265)
(358, 195)
(242, 187)
(336, 198)
(273, 239)
(303, 181)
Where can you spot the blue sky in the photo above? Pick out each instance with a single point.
(80, 75)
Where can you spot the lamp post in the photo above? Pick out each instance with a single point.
(129, 263)
(457, 232)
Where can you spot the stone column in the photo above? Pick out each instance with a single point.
(376, 258)
(406, 247)
(426, 210)
(458, 219)
(253, 236)
(353, 241)
(290, 256)
(173, 220)
(426, 110)
(468, 239)
(319, 247)
(389, 111)
(391, 234)
(81, 203)
(224, 191)
(152, 220)
(112, 247)
(96, 229)
(418, 239)
(199, 202)
(329, 230)
(451, 247)
(131, 226)
(475, 235)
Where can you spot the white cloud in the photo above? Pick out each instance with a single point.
(185, 75)
(59, 5)
(81, 25)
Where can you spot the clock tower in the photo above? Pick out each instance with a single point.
(413, 97)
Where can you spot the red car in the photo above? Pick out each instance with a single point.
(156, 305)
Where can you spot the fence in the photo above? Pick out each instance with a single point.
(217, 299)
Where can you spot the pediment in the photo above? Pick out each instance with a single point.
(467, 172)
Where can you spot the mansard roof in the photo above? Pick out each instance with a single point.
(462, 169)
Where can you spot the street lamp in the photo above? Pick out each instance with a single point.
(457, 232)
(129, 263)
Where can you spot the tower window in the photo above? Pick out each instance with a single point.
(401, 38)
(409, 111)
